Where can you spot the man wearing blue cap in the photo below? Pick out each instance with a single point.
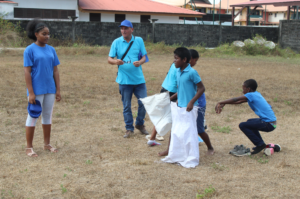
(130, 78)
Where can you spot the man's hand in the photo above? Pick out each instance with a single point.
(219, 108)
(31, 99)
(136, 63)
(119, 62)
(189, 107)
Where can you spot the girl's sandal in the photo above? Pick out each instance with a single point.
(52, 149)
(32, 153)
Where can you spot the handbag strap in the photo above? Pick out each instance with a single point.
(127, 49)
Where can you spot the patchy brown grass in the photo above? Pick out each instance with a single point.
(95, 161)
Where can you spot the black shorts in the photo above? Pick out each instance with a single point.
(171, 93)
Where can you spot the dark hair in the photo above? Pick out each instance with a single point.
(183, 52)
(251, 83)
(33, 27)
(194, 54)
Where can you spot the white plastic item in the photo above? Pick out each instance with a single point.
(159, 110)
(184, 148)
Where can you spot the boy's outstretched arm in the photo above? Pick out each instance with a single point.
(200, 91)
(236, 100)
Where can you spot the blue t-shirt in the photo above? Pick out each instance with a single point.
(128, 73)
(42, 61)
(202, 100)
(260, 106)
(170, 82)
(187, 81)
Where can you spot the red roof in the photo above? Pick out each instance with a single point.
(7, 2)
(136, 6)
(269, 2)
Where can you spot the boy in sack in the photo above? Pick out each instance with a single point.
(266, 121)
(184, 148)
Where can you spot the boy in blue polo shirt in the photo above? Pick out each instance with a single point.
(190, 86)
(266, 121)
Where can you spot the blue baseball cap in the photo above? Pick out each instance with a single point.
(126, 23)
(34, 110)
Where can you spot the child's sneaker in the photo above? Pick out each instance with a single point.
(153, 143)
(258, 149)
(242, 152)
(271, 148)
(236, 149)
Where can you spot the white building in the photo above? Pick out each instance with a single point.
(94, 10)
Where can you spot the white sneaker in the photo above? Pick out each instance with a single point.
(153, 143)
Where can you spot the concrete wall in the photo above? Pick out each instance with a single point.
(289, 34)
(7, 9)
(102, 33)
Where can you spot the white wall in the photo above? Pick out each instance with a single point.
(7, 9)
(272, 18)
(84, 16)
(107, 17)
(133, 18)
(51, 4)
(166, 19)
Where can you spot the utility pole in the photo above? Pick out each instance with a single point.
(73, 27)
(214, 13)
(153, 28)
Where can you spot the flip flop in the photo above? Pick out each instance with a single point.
(148, 137)
(160, 138)
(31, 153)
(52, 149)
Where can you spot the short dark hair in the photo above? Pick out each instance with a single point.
(183, 52)
(194, 54)
(34, 26)
(251, 83)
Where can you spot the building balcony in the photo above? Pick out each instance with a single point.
(256, 16)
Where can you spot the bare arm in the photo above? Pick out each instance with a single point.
(236, 100)
(57, 83)
(173, 97)
(200, 91)
(27, 72)
(140, 62)
(113, 61)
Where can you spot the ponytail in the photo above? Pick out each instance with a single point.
(33, 27)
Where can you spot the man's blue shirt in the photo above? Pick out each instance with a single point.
(260, 106)
(128, 73)
(170, 82)
(42, 61)
(187, 81)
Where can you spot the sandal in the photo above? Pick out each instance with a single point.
(52, 149)
(160, 138)
(31, 153)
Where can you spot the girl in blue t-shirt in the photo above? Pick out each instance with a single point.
(42, 81)
(266, 121)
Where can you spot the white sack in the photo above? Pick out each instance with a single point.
(184, 147)
(159, 110)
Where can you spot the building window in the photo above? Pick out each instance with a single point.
(275, 14)
(119, 17)
(145, 18)
(284, 15)
(43, 13)
(95, 17)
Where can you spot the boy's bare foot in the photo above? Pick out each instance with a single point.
(210, 152)
(30, 152)
(164, 153)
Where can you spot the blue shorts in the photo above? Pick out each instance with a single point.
(200, 119)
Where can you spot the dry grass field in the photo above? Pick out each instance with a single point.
(95, 161)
